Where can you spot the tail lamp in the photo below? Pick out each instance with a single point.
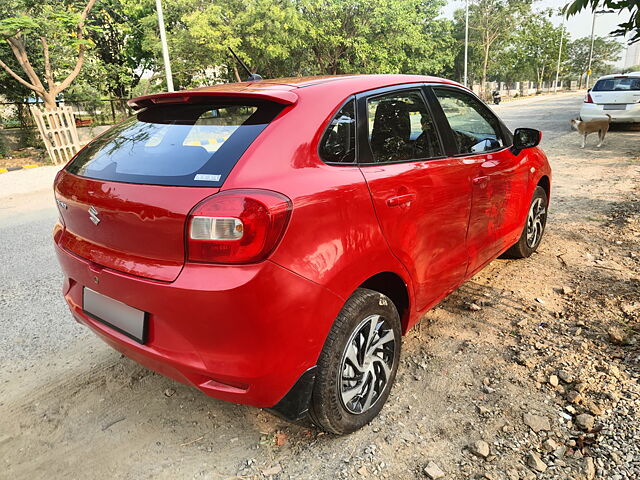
(588, 98)
(237, 226)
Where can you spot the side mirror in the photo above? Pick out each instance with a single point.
(525, 138)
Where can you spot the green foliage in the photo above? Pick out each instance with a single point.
(302, 37)
(535, 48)
(492, 27)
(605, 53)
(11, 90)
(508, 41)
(47, 37)
(387, 36)
(631, 6)
(117, 36)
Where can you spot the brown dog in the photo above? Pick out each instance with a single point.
(592, 126)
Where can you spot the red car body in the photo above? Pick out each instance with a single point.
(247, 333)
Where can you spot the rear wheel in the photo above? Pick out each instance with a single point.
(534, 227)
(358, 363)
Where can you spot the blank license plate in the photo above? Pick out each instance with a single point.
(615, 107)
(117, 315)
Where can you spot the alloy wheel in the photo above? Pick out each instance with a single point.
(367, 363)
(535, 222)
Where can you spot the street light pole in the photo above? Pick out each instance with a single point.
(593, 28)
(555, 87)
(466, 41)
(165, 48)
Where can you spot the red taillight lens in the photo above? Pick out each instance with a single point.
(237, 226)
(588, 98)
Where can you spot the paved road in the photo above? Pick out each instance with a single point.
(551, 114)
(34, 321)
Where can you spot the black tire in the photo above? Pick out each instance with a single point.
(336, 371)
(533, 226)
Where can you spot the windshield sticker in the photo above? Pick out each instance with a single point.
(207, 178)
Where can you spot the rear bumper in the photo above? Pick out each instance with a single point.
(245, 334)
(594, 111)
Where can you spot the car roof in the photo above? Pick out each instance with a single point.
(620, 75)
(287, 90)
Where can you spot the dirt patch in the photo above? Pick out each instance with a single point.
(545, 373)
(25, 156)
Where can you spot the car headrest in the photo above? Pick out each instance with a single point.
(392, 120)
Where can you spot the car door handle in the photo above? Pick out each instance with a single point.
(480, 180)
(401, 199)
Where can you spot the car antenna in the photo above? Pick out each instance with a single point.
(253, 77)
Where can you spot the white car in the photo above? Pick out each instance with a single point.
(615, 95)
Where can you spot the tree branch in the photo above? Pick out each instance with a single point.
(47, 63)
(20, 52)
(81, 49)
(19, 78)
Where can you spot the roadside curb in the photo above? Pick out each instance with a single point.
(535, 98)
(13, 169)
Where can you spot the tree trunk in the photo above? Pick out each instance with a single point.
(236, 73)
(485, 65)
(49, 99)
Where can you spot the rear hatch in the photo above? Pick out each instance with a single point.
(126, 197)
(619, 90)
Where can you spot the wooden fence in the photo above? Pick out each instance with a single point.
(57, 128)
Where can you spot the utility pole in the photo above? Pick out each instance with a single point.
(593, 28)
(555, 87)
(165, 48)
(466, 41)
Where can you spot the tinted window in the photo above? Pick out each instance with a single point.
(617, 85)
(475, 128)
(193, 145)
(401, 128)
(339, 141)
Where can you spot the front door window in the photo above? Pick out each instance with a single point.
(475, 128)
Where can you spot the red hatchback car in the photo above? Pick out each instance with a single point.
(269, 242)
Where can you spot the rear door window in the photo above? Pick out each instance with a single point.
(338, 144)
(184, 145)
(401, 128)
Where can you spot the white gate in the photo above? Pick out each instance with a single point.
(57, 127)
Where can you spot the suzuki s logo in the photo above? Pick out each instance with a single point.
(93, 215)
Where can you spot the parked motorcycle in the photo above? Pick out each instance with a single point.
(497, 98)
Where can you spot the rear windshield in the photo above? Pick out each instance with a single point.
(623, 84)
(186, 145)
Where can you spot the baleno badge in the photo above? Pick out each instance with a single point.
(93, 215)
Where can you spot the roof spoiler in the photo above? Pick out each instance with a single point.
(194, 96)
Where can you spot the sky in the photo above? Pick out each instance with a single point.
(578, 25)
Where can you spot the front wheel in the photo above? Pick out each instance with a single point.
(534, 227)
(358, 363)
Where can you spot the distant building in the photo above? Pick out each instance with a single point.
(633, 55)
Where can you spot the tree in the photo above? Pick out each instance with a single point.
(536, 46)
(117, 37)
(60, 33)
(605, 53)
(492, 24)
(632, 6)
(302, 37)
(386, 36)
